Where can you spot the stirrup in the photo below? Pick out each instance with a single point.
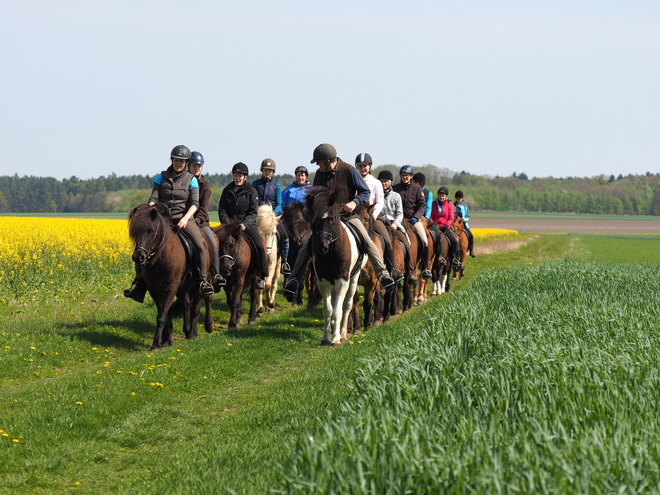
(426, 274)
(286, 269)
(386, 280)
(205, 289)
(290, 289)
(218, 282)
(260, 284)
(397, 275)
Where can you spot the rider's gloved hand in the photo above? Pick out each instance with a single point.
(412, 220)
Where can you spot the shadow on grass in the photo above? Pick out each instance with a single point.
(110, 335)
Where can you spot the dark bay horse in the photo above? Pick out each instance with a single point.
(291, 213)
(239, 269)
(337, 262)
(160, 260)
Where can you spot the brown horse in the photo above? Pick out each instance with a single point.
(373, 291)
(337, 262)
(459, 230)
(297, 238)
(421, 288)
(239, 269)
(441, 267)
(160, 260)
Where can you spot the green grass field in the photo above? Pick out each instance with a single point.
(538, 373)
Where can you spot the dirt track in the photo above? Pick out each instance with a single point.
(579, 226)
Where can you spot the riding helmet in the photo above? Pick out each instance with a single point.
(180, 151)
(385, 174)
(324, 151)
(443, 190)
(419, 177)
(197, 158)
(406, 169)
(268, 163)
(458, 194)
(363, 158)
(240, 168)
(301, 169)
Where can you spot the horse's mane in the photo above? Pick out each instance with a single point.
(290, 212)
(154, 221)
(227, 230)
(364, 213)
(318, 201)
(266, 219)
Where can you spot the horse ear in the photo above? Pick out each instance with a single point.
(153, 213)
(331, 199)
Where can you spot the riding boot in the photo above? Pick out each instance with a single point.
(426, 273)
(411, 267)
(471, 247)
(138, 292)
(205, 289)
(217, 280)
(286, 269)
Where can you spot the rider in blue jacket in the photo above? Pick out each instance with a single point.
(463, 212)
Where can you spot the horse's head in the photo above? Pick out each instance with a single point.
(365, 213)
(290, 214)
(148, 227)
(266, 219)
(327, 228)
(458, 225)
(228, 245)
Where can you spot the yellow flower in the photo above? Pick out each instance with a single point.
(229, 343)
(79, 403)
(16, 440)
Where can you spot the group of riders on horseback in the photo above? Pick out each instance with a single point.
(184, 191)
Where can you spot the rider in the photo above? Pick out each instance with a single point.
(269, 192)
(239, 201)
(295, 192)
(350, 190)
(178, 189)
(413, 209)
(420, 179)
(443, 214)
(463, 212)
(195, 166)
(363, 163)
(393, 212)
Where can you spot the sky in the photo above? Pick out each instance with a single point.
(549, 88)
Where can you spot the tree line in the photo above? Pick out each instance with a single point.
(621, 195)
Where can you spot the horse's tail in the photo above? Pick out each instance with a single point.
(266, 219)
(314, 298)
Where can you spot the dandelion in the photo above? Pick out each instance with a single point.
(77, 483)
(5, 434)
(33, 348)
(15, 440)
(206, 378)
(79, 403)
(229, 344)
(133, 393)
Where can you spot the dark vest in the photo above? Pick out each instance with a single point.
(339, 181)
(266, 191)
(175, 192)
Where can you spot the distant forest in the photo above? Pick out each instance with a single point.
(621, 195)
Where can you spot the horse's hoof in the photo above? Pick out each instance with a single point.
(326, 342)
(209, 329)
(270, 310)
(260, 311)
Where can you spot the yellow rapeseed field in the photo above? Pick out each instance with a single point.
(482, 235)
(45, 247)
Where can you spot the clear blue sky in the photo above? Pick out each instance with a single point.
(561, 88)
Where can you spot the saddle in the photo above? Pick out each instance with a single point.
(361, 244)
(192, 253)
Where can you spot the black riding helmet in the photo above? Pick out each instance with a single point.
(385, 174)
(240, 168)
(301, 169)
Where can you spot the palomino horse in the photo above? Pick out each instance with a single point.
(459, 230)
(160, 260)
(297, 238)
(267, 224)
(337, 262)
(239, 269)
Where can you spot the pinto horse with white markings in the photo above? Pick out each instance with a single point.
(337, 262)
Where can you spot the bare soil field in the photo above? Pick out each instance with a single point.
(566, 225)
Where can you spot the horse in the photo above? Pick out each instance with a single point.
(337, 262)
(441, 267)
(459, 230)
(297, 238)
(411, 275)
(368, 279)
(160, 259)
(238, 268)
(421, 287)
(267, 224)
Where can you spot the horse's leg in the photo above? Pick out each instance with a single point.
(162, 320)
(208, 317)
(346, 292)
(252, 316)
(326, 296)
(235, 305)
(193, 316)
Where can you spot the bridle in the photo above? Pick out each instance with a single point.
(231, 259)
